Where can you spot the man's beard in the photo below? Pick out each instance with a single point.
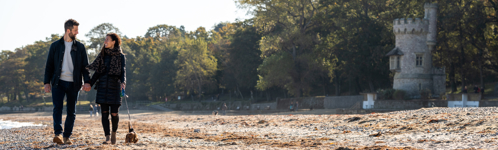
(72, 36)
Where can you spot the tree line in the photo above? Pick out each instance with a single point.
(290, 48)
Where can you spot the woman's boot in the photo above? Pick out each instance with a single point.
(113, 138)
(107, 139)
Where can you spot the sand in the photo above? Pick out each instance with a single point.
(432, 128)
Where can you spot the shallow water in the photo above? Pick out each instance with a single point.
(10, 124)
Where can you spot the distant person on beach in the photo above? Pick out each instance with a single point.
(97, 109)
(64, 72)
(90, 109)
(482, 92)
(224, 108)
(296, 106)
(476, 89)
(110, 71)
(291, 106)
(464, 90)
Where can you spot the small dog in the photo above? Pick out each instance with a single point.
(215, 113)
(131, 137)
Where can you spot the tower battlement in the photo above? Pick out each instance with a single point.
(410, 26)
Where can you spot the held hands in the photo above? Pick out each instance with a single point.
(87, 87)
(48, 88)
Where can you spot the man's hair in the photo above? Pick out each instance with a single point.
(69, 24)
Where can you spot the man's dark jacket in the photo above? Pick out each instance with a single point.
(53, 67)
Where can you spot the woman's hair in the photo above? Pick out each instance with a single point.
(115, 37)
(117, 42)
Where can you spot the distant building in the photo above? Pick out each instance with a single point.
(411, 59)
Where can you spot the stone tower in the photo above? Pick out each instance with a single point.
(411, 59)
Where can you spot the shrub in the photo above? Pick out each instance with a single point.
(425, 93)
(385, 94)
(399, 95)
(443, 96)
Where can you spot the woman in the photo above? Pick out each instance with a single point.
(109, 78)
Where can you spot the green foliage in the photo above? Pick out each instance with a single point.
(399, 95)
(98, 33)
(274, 71)
(385, 94)
(163, 31)
(288, 43)
(425, 93)
(289, 47)
(196, 66)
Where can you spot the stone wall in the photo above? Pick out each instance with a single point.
(304, 102)
(333, 102)
(488, 103)
(213, 105)
(264, 106)
(408, 104)
(458, 97)
(411, 86)
(329, 102)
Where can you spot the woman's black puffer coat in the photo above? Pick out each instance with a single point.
(109, 86)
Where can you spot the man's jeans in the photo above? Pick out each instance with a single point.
(64, 89)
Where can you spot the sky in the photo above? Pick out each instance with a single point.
(23, 22)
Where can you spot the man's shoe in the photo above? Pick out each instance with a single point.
(67, 141)
(58, 139)
(113, 138)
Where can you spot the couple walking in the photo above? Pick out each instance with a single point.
(66, 67)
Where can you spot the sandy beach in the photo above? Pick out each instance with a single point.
(432, 128)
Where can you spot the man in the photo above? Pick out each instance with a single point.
(65, 68)
(296, 106)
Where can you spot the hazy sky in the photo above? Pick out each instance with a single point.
(23, 22)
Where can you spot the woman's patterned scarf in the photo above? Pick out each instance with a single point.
(115, 67)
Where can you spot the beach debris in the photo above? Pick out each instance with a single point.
(436, 120)
(406, 128)
(376, 134)
(244, 123)
(365, 121)
(354, 119)
(197, 130)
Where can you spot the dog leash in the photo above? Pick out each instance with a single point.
(126, 102)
